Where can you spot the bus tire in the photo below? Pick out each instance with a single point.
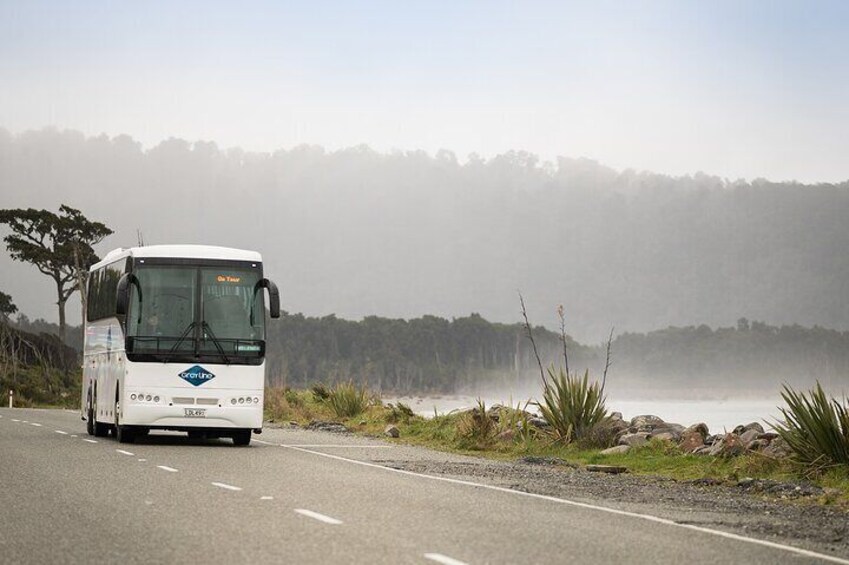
(242, 437)
(100, 429)
(124, 434)
(89, 424)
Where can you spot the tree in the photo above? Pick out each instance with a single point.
(58, 245)
(7, 307)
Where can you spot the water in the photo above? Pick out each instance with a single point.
(719, 415)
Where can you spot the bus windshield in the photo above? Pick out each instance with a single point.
(183, 312)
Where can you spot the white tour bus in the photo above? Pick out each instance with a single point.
(175, 340)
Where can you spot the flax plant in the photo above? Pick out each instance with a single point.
(815, 427)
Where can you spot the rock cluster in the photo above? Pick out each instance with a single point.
(696, 438)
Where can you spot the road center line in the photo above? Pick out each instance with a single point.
(266, 498)
(142, 459)
(262, 442)
(37, 425)
(165, 468)
(14, 420)
(647, 517)
(61, 432)
(444, 559)
(317, 516)
(124, 452)
(90, 440)
(226, 486)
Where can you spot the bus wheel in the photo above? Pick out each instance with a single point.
(100, 429)
(89, 424)
(124, 434)
(242, 437)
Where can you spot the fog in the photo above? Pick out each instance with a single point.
(358, 232)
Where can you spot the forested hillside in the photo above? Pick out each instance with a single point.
(402, 235)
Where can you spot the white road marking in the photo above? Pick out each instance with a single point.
(342, 445)
(124, 452)
(142, 459)
(23, 421)
(14, 420)
(228, 487)
(262, 442)
(90, 440)
(444, 559)
(169, 469)
(73, 435)
(647, 517)
(266, 498)
(319, 517)
(35, 424)
(61, 432)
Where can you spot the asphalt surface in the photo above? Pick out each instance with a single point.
(300, 497)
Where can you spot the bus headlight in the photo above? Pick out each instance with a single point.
(156, 399)
(232, 401)
(256, 400)
(241, 400)
(132, 397)
(147, 398)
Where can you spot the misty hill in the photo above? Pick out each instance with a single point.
(400, 235)
(473, 355)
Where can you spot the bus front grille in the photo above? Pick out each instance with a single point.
(208, 401)
(183, 400)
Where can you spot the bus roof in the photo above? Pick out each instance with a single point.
(181, 252)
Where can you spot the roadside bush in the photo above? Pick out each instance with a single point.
(320, 392)
(572, 406)
(399, 412)
(815, 427)
(347, 399)
(476, 428)
(276, 407)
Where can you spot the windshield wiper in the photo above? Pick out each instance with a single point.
(182, 338)
(207, 328)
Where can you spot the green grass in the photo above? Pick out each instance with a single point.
(450, 433)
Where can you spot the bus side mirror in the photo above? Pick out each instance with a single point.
(122, 297)
(273, 297)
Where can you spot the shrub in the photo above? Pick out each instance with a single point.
(347, 399)
(399, 412)
(320, 392)
(572, 406)
(476, 428)
(815, 427)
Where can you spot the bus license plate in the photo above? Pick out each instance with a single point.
(194, 412)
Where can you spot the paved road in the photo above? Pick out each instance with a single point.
(297, 497)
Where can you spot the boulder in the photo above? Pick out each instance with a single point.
(667, 429)
(538, 423)
(691, 440)
(635, 440)
(392, 431)
(741, 429)
(749, 436)
(703, 450)
(646, 421)
(769, 436)
(616, 450)
(728, 445)
(666, 436)
(757, 445)
(616, 416)
(701, 428)
(777, 448)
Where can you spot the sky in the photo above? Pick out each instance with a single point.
(736, 89)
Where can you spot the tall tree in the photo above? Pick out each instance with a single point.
(59, 245)
(7, 307)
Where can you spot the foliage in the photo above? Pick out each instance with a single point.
(815, 427)
(320, 392)
(477, 428)
(572, 406)
(347, 399)
(399, 412)
(58, 245)
(7, 307)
